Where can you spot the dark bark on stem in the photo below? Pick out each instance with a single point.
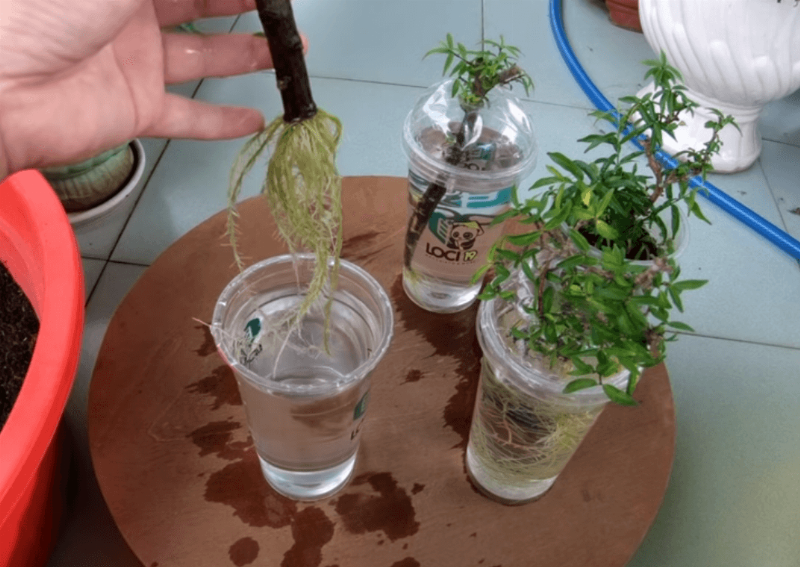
(286, 48)
(435, 192)
(420, 217)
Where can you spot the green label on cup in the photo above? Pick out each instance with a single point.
(247, 350)
(252, 329)
(361, 407)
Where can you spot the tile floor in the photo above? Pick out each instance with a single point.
(734, 497)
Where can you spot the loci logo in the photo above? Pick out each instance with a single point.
(459, 222)
(457, 235)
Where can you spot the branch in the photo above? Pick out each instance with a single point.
(286, 48)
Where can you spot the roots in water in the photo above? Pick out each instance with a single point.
(518, 438)
(303, 189)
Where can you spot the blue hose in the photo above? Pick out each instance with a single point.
(728, 204)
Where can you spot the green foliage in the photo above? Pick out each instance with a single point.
(599, 284)
(479, 71)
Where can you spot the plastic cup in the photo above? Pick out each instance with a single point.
(305, 406)
(499, 150)
(524, 428)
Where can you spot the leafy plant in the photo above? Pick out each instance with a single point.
(476, 73)
(590, 266)
(479, 71)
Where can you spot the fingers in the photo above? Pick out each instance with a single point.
(173, 12)
(192, 56)
(186, 118)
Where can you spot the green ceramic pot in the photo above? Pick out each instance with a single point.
(87, 184)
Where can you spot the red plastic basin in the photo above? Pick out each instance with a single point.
(38, 247)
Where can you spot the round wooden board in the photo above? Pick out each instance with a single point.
(177, 468)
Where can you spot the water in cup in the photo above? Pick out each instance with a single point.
(305, 395)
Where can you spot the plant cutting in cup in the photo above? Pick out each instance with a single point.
(468, 141)
(302, 184)
(301, 337)
(583, 292)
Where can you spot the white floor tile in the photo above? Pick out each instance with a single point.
(780, 121)
(733, 499)
(379, 40)
(753, 286)
(610, 56)
(782, 168)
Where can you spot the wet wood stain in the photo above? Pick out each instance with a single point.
(241, 486)
(216, 438)
(390, 512)
(451, 336)
(407, 562)
(311, 530)
(244, 551)
(219, 385)
(413, 375)
(209, 345)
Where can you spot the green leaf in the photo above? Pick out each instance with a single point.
(696, 211)
(618, 396)
(572, 261)
(614, 293)
(606, 231)
(680, 326)
(507, 255)
(558, 219)
(676, 298)
(502, 217)
(544, 182)
(478, 276)
(448, 62)
(579, 240)
(523, 240)
(683, 285)
(528, 271)
(579, 384)
(601, 208)
(565, 163)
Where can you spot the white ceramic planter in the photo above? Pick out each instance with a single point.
(736, 56)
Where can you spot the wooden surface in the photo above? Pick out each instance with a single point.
(175, 464)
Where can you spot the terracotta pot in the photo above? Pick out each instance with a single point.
(624, 13)
(38, 247)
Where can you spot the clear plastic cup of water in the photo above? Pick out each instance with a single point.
(305, 403)
(498, 150)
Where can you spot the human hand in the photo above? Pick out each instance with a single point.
(81, 76)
